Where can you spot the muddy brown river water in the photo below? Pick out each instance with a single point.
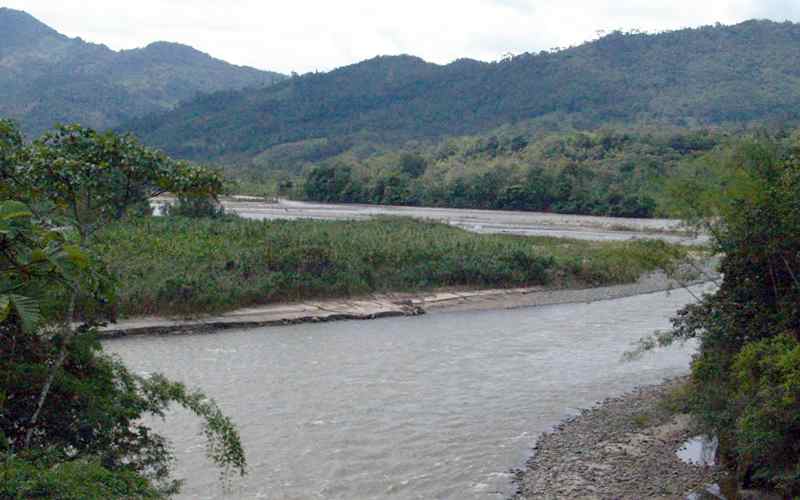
(439, 406)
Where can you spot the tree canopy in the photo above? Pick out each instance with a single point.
(614, 172)
(714, 75)
(70, 415)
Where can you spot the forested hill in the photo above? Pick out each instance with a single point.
(710, 75)
(47, 77)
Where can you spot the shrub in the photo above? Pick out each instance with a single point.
(75, 480)
(767, 381)
(194, 206)
(746, 376)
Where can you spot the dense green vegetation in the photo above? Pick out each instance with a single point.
(746, 378)
(49, 78)
(719, 75)
(608, 172)
(78, 247)
(71, 416)
(176, 265)
(533, 132)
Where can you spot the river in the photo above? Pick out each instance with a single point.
(582, 227)
(439, 406)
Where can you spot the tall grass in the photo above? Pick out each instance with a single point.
(179, 266)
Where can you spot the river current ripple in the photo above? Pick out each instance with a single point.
(432, 407)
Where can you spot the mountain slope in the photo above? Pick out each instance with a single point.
(47, 77)
(710, 75)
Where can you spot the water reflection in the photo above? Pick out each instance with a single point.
(700, 450)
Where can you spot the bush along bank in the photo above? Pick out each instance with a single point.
(178, 266)
(746, 377)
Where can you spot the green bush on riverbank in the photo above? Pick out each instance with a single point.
(745, 386)
(176, 265)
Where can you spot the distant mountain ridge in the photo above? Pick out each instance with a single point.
(712, 75)
(47, 77)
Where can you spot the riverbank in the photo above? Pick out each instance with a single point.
(398, 304)
(623, 448)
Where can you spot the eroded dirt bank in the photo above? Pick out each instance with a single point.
(390, 305)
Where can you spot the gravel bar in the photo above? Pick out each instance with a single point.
(624, 448)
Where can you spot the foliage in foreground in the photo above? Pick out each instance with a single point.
(178, 265)
(71, 416)
(746, 377)
(73, 480)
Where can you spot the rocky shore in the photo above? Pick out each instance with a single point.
(624, 448)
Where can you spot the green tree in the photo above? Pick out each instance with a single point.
(538, 187)
(327, 182)
(745, 379)
(518, 143)
(11, 147)
(61, 399)
(413, 165)
(96, 177)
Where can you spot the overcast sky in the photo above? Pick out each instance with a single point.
(309, 35)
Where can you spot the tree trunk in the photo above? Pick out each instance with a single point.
(51, 376)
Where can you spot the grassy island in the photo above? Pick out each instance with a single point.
(177, 265)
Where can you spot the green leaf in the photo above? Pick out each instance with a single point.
(27, 310)
(5, 307)
(37, 256)
(14, 210)
(76, 256)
